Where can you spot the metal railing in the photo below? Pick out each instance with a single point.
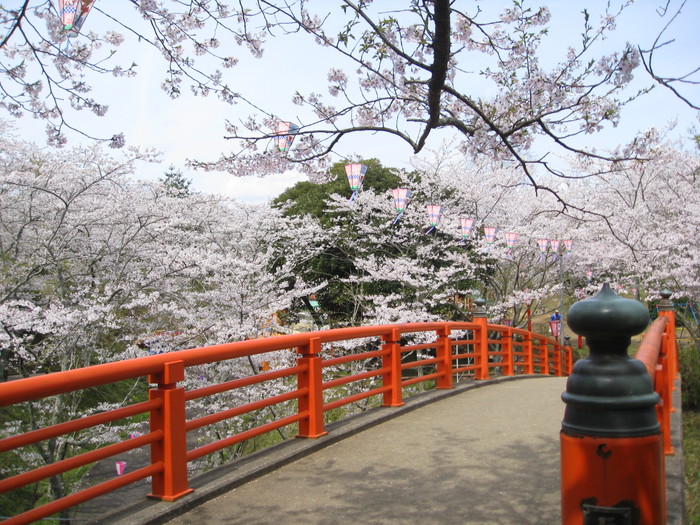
(477, 350)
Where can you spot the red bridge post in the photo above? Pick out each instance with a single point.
(481, 339)
(392, 361)
(311, 380)
(667, 372)
(444, 355)
(507, 350)
(612, 465)
(529, 354)
(669, 348)
(171, 483)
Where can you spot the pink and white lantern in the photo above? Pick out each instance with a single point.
(401, 196)
(434, 214)
(490, 234)
(356, 174)
(285, 135)
(466, 226)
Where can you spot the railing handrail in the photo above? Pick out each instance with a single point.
(55, 383)
(650, 347)
(532, 353)
(657, 352)
(36, 387)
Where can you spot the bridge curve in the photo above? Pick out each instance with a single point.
(481, 453)
(475, 351)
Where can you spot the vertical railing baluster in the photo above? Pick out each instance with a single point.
(311, 379)
(536, 354)
(392, 361)
(444, 355)
(507, 350)
(668, 361)
(564, 357)
(481, 340)
(665, 405)
(529, 355)
(171, 450)
(672, 352)
(666, 309)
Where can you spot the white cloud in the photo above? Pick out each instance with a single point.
(247, 189)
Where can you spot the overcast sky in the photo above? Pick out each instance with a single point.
(193, 128)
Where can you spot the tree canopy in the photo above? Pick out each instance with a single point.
(407, 71)
(97, 266)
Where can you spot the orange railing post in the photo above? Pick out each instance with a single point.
(667, 371)
(529, 354)
(665, 406)
(612, 463)
(562, 357)
(669, 348)
(507, 349)
(556, 359)
(444, 354)
(544, 354)
(481, 340)
(310, 381)
(171, 451)
(392, 361)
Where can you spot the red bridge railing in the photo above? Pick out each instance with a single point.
(477, 350)
(616, 431)
(659, 353)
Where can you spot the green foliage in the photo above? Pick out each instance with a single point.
(334, 264)
(691, 458)
(689, 364)
(307, 198)
(175, 183)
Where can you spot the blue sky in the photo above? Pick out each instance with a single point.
(193, 127)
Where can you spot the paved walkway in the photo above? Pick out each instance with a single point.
(486, 456)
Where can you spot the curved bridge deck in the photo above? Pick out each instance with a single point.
(490, 456)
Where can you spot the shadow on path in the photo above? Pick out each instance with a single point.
(489, 456)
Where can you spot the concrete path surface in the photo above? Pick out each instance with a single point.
(485, 456)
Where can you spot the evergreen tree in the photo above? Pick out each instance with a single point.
(175, 183)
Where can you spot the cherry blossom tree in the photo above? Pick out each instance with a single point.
(495, 196)
(408, 72)
(679, 83)
(380, 270)
(371, 259)
(637, 231)
(68, 270)
(648, 212)
(98, 267)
